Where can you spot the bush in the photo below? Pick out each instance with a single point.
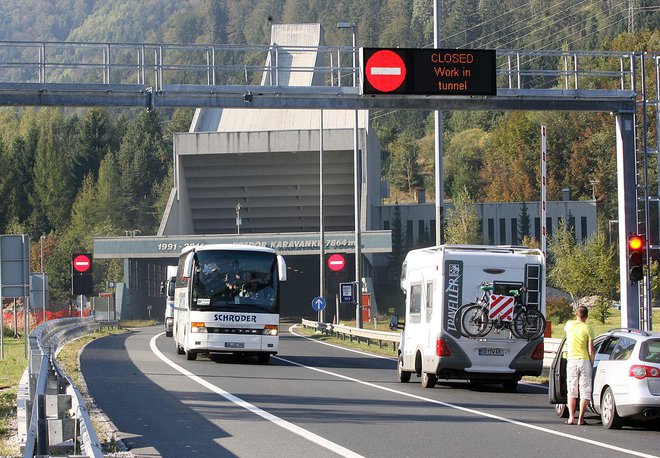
(558, 309)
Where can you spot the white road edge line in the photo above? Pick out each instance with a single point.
(343, 451)
(457, 407)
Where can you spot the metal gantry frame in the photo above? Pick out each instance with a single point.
(152, 75)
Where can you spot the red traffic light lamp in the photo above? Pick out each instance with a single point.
(636, 247)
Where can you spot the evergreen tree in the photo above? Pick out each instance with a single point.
(108, 189)
(524, 224)
(92, 137)
(143, 162)
(394, 296)
(53, 193)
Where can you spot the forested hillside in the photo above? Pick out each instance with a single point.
(70, 175)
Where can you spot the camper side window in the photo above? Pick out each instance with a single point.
(429, 300)
(415, 302)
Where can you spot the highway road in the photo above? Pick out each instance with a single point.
(318, 400)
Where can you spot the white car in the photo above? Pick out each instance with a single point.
(626, 378)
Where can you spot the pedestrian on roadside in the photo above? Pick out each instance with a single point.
(579, 340)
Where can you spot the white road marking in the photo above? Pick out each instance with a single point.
(343, 451)
(457, 407)
(385, 70)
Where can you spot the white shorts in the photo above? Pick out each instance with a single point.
(578, 375)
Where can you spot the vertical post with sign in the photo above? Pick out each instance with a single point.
(81, 277)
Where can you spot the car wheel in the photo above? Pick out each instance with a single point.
(510, 385)
(561, 410)
(611, 419)
(404, 376)
(428, 380)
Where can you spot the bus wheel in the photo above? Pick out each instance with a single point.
(179, 350)
(191, 356)
(263, 358)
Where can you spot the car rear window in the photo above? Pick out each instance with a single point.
(650, 351)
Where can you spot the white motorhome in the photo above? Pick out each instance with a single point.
(167, 288)
(437, 281)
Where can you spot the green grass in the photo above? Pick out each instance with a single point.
(614, 321)
(11, 370)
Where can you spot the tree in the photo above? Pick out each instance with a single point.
(463, 221)
(53, 193)
(404, 169)
(143, 162)
(524, 224)
(92, 138)
(394, 296)
(463, 161)
(585, 269)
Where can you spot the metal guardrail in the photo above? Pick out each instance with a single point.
(359, 334)
(45, 394)
(550, 345)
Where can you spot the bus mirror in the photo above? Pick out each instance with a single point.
(188, 266)
(281, 268)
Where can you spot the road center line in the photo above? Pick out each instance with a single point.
(343, 451)
(463, 409)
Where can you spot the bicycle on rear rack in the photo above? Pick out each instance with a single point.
(501, 312)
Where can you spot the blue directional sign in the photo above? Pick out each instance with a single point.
(318, 303)
(346, 293)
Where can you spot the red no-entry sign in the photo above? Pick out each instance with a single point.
(82, 263)
(385, 70)
(336, 262)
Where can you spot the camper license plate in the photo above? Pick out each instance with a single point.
(491, 351)
(234, 344)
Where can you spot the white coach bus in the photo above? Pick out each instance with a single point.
(227, 300)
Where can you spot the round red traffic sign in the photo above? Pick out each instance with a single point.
(336, 262)
(385, 70)
(82, 263)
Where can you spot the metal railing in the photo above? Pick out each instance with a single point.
(393, 338)
(157, 65)
(45, 386)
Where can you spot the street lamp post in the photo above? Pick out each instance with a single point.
(238, 218)
(357, 181)
(43, 276)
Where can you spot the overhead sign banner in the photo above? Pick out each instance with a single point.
(415, 71)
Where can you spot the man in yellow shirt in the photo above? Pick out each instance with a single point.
(579, 342)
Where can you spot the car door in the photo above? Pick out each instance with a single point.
(610, 368)
(557, 376)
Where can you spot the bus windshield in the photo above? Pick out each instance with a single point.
(235, 281)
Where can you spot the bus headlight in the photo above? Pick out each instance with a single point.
(197, 328)
(270, 330)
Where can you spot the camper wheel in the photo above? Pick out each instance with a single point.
(404, 376)
(428, 380)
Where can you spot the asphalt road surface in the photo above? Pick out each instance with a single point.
(318, 400)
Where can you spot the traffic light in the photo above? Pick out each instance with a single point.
(635, 257)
